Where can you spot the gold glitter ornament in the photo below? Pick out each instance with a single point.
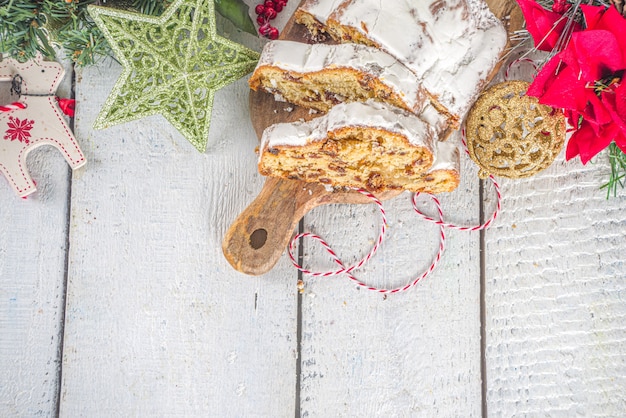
(510, 134)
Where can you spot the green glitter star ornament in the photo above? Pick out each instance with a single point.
(173, 65)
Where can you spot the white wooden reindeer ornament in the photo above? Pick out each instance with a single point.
(33, 121)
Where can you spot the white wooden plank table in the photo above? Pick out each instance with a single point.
(115, 299)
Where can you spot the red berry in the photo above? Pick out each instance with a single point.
(278, 7)
(259, 9)
(261, 20)
(561, 6)
(269, 4)
(273, 33)
(270, 13)
(265, 29)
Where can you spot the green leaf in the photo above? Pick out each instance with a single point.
(237, 12)
(617, 159)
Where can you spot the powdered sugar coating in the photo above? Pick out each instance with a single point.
(305, 58)
(363, 114)
(435, 119)
(451, 45)
(320, 9)
(447, 154)
(368, 114)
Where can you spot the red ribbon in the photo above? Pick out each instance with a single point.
(67, 106)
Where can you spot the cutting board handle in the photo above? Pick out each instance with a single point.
(257, 238)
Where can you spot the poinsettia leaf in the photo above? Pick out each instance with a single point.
(572, 151)
(615, 23)
(616, 105)
(598, 54)
(587, 144)
(565, 91)
(620, 101)
(592, 14)
(573, 118)
(596, 111)
(545, 26)
(545, 77)
(620, 141)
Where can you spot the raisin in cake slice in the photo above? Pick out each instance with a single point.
(320, 76)
(451, 45)
(367, 145)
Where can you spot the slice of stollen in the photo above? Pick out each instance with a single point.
(368, 145)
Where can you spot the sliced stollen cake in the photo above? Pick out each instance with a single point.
(451, 45)
(319, 76)
(368, 145)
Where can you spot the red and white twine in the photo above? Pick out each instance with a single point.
(441, 222)
(376, 246)
(517, 62)
(13, 106)
(333, 254)
(67, 106)
(442, 241)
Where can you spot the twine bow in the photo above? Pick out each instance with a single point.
(439, 221)
(67, 106)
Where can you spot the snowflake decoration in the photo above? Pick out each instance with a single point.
(19, 129)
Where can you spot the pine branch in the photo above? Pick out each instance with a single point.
(37, 26)
(29, 27)
(151, 7)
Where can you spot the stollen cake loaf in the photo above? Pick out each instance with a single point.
(319, 76)
(451, 45)
(368, 145)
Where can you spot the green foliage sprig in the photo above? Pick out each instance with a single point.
(32, 26)
(618, 171)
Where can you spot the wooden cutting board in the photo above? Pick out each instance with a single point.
(258, 237)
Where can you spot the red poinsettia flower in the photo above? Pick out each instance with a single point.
(18, 129)
(585, 80)
(545, 26)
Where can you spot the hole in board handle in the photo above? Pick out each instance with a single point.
(258, 238)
